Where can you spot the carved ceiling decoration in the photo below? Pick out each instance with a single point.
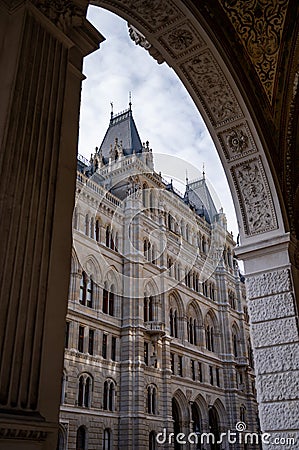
(259, 24)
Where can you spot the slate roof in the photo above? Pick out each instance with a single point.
(199, 195)
(122, 127)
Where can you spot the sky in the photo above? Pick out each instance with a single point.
(163, 111)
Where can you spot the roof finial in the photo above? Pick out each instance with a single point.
(111, 104)
(187, 181)
(130, 100)
(203, 171)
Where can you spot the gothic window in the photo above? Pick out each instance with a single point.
(84, 390)
(108, 236)
(86, 290)
(146, 353)
(107, 439)
(235, 339)
(193, 374)
(81, 339)
(218, 376)
(87, 225)
(152, 441)
(148, 309)
(250, 354)
(89, 293)
(67, 335)
(90, 341)
(104, 345)
(173, 316)
(109, 395)
(91, 232)
(210, 338)
(243, 414)
(152, 399)
(108, 301)
(113, 348)
(63, 387)
(81, 438)
(180, 365)
(211, 375)
(192, 330)
(97, 230)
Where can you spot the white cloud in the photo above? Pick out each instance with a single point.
(163, 110)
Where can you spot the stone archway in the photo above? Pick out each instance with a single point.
(43, 44)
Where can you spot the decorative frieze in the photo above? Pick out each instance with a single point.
(254, 196)
(210, 84)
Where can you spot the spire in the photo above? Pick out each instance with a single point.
(203, 171)
(130, 101)
(111, 114)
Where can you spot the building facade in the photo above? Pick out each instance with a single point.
(157, 335)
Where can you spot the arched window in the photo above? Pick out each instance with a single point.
(107, 439)
(63, 387)
(148, 309)
(109, 395)
(210, 338)
(196, 423)
(108, 301)
(111, 302)
(176, 423)
(89, 293)
(214, 427)
(152, 441)
(87, 225)
(235, 343)
(97, 230)
(60, 440)
(108, 236)
(84, 390)
(91, 231)
(105, 301)
(152, 399)
(173, 317)
(192, 330)
(250, 354)
(86, 290)
(81, 438)
(243, 414)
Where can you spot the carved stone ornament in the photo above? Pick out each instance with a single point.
(237, 142)
(15, 433)
(154, 13)
(255, 197)
(208, 80)
(63, 13)
(259, 25)
(141, 40)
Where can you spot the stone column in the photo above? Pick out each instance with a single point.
(42, 47)
(274, 327)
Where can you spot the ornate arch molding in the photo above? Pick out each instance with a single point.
(180, 40)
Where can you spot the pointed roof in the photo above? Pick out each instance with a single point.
(123, 128)
(199, 195)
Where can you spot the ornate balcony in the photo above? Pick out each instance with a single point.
(154, 327)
